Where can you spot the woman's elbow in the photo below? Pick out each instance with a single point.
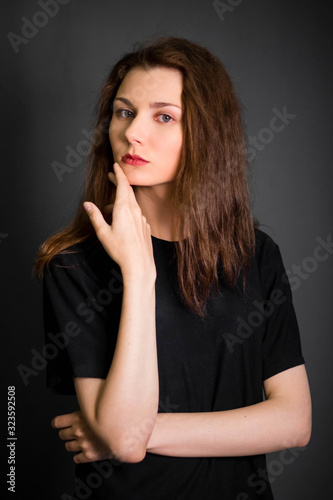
(127, 450)
(122, 445)
(301, 431)
(132, 457)
(304, 435)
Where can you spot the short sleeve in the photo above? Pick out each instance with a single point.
(82, 297)
(281, 342)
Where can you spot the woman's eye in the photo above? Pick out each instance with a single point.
(124, 113)
(165, 118)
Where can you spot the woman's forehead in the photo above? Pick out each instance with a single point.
(158, 84)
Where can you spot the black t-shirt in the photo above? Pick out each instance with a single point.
(211, 364)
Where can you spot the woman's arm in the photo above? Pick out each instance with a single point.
(128, 398)
(282, 421)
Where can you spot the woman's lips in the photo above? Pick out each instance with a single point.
(134, 160)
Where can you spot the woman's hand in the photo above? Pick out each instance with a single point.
(80, 438)
(128, 239)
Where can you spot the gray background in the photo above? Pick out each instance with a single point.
(279, 55)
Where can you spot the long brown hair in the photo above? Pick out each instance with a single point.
(210, 190)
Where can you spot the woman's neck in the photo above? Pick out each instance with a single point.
(156, 206)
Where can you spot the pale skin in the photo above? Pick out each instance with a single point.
(143, 126)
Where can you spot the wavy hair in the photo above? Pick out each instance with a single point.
(210, 189)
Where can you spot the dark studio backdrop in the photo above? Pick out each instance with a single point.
(56, 55)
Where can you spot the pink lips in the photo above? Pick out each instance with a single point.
(134, 160)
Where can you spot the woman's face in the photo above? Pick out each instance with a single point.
(145, 132)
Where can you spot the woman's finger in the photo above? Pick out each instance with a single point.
(66, 420)
(78, 458)
(83, 457)
(73, 446)
(66, 434)
(124, 189)
(96, 218)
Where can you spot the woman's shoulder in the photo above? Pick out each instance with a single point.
(85, 251)
(267, 251)
(264, 243)
(85, 258)
(268, 261)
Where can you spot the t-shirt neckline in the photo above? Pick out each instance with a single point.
(163, 241)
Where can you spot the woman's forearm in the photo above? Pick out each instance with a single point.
(261, 428)
(126, 405)
(128, 402)
(282, 421)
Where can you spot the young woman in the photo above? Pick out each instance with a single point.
(170, 311)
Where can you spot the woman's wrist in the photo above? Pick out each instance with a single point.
(139, 277)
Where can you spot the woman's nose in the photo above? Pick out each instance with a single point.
(136, 131)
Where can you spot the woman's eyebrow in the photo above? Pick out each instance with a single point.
(153, 105)
(124, 100)
(163, 105)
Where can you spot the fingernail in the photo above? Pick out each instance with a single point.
(87, 206)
